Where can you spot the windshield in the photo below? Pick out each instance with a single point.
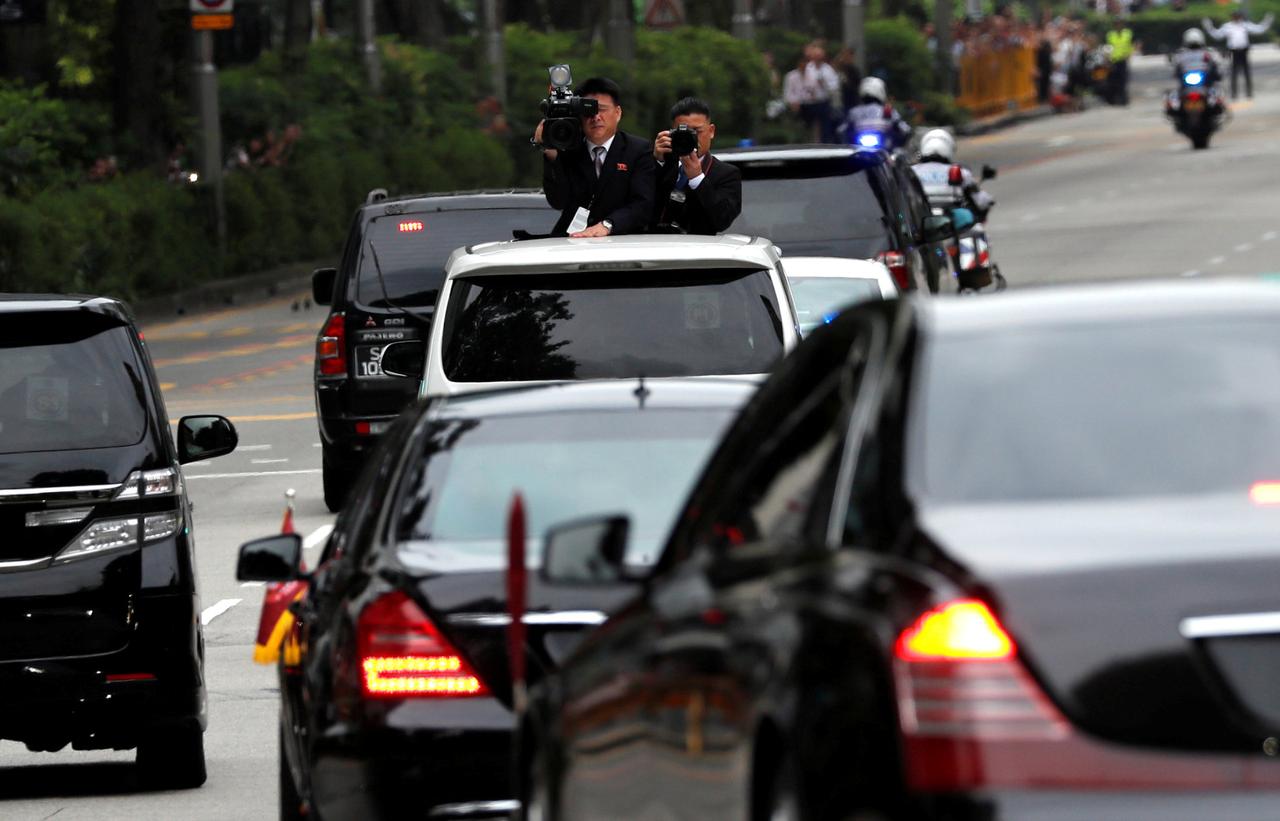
(612, 324)
(820, 299)
(810, 209)
(567, 465)
(68, 382)
(1158, 408)
(412, 249)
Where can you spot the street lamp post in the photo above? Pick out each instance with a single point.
(854, 15)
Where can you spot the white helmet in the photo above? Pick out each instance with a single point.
(873, 87)
(1193, 38)
(938, 143)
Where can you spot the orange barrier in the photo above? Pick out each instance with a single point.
(997, 81)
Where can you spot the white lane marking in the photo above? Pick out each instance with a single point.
(266, 461)
(317, 536)
(1217, 260)
(252, 584)
(213, 611)
(1030, 217)
(253, 447)
(1191, 273)
(317, 444)
(1059, 142)
(252, 474)
(1270, 235)
(1244, 248)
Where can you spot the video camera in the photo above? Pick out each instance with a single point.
(563, 110)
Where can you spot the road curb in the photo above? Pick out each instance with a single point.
(1000, 121)
(221, 293)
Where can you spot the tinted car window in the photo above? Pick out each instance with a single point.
(412, 249)
(69, 384)
(567, 465)
(612, 324)
(810, 209)
(819, 299)
(1150, 409)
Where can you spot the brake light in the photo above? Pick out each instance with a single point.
(963, 629)
(1265, 493)
(411, 226)
(403, 655)
(896, 262)
(331, 346)
(1194, 96)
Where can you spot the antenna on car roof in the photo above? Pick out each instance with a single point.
(641, 393)
(382, 283)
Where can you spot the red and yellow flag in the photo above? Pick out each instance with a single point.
(276, 624)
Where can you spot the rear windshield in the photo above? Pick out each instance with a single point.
(820, 299)
(567, 465)
(412, 249)
(68, 382)
(612, 324)
(1158, 408)
(809, 203)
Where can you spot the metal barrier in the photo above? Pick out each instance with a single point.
(997, 81)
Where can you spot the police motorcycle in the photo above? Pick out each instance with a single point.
(873, 123)
(1196, 107)
(959, 209)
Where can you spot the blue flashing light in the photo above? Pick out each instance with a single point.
(746, 142)
(1193, 78)
(829, 317)
(869, 139)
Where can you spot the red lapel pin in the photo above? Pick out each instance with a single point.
(622, 166)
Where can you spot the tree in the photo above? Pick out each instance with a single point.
(135, 97)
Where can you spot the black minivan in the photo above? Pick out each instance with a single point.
(100, 638)
(384, 290)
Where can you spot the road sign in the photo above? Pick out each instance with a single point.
(212, 22)
(664, 13)
(211, 6)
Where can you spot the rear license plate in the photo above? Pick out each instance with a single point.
(369, 362)
(1194, 105)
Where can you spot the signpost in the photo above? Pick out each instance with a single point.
(208, 16)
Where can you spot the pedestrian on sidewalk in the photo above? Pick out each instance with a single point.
(1236, 32)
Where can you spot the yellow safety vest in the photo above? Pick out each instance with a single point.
(1121, 43)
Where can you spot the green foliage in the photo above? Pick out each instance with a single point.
(43, 141)
(896, 52)
(80, 34)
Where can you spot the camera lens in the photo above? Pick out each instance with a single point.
(562, 134)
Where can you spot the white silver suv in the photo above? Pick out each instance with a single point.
(652, 306)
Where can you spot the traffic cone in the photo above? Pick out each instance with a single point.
(276, 622)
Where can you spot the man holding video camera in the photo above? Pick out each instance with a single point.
(603, 181)
(697, 193)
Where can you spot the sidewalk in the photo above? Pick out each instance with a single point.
(243, 290)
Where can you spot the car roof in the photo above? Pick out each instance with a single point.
(457, 201)
(601, 395)
(1129, 302)
(841, 267)
(32, 303)
(634, 252)
(774, 153)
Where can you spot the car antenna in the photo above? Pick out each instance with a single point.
(382, 283)
(641, 393)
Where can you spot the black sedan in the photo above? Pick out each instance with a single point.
(1014, 558)
(402, 693)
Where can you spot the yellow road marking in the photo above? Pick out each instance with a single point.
(239, 330)
(167, 386)
(161, 331)
(267, 417)
(297, 341)
(299, 326)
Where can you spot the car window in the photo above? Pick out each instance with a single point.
(69, 382)
(612, 324)
(412, 249)
(1099, 411)
(810, 209)
(819, 299)
(567, 465)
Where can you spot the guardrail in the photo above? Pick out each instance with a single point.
(997, 81)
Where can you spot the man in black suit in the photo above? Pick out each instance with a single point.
(611, 176)
(697, 192)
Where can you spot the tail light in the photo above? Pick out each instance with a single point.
(896, 262)
(973, 718)
(403, 655)
(1194, 96)
(331, 346)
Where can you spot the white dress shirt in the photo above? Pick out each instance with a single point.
(1236, 32)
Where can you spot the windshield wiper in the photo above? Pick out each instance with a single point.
(382, 283)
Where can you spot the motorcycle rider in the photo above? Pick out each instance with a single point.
(874, 114)
(1193, 56)
(937, 158)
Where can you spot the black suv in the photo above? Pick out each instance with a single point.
(839, 201)
(100, 639)
(384, 290)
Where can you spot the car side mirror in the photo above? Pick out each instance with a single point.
(204, 437)
(962, 218)
(406, 360)
(936, 228)
(988, 173)
(322, 282)
(273, 559)
(587, 552)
